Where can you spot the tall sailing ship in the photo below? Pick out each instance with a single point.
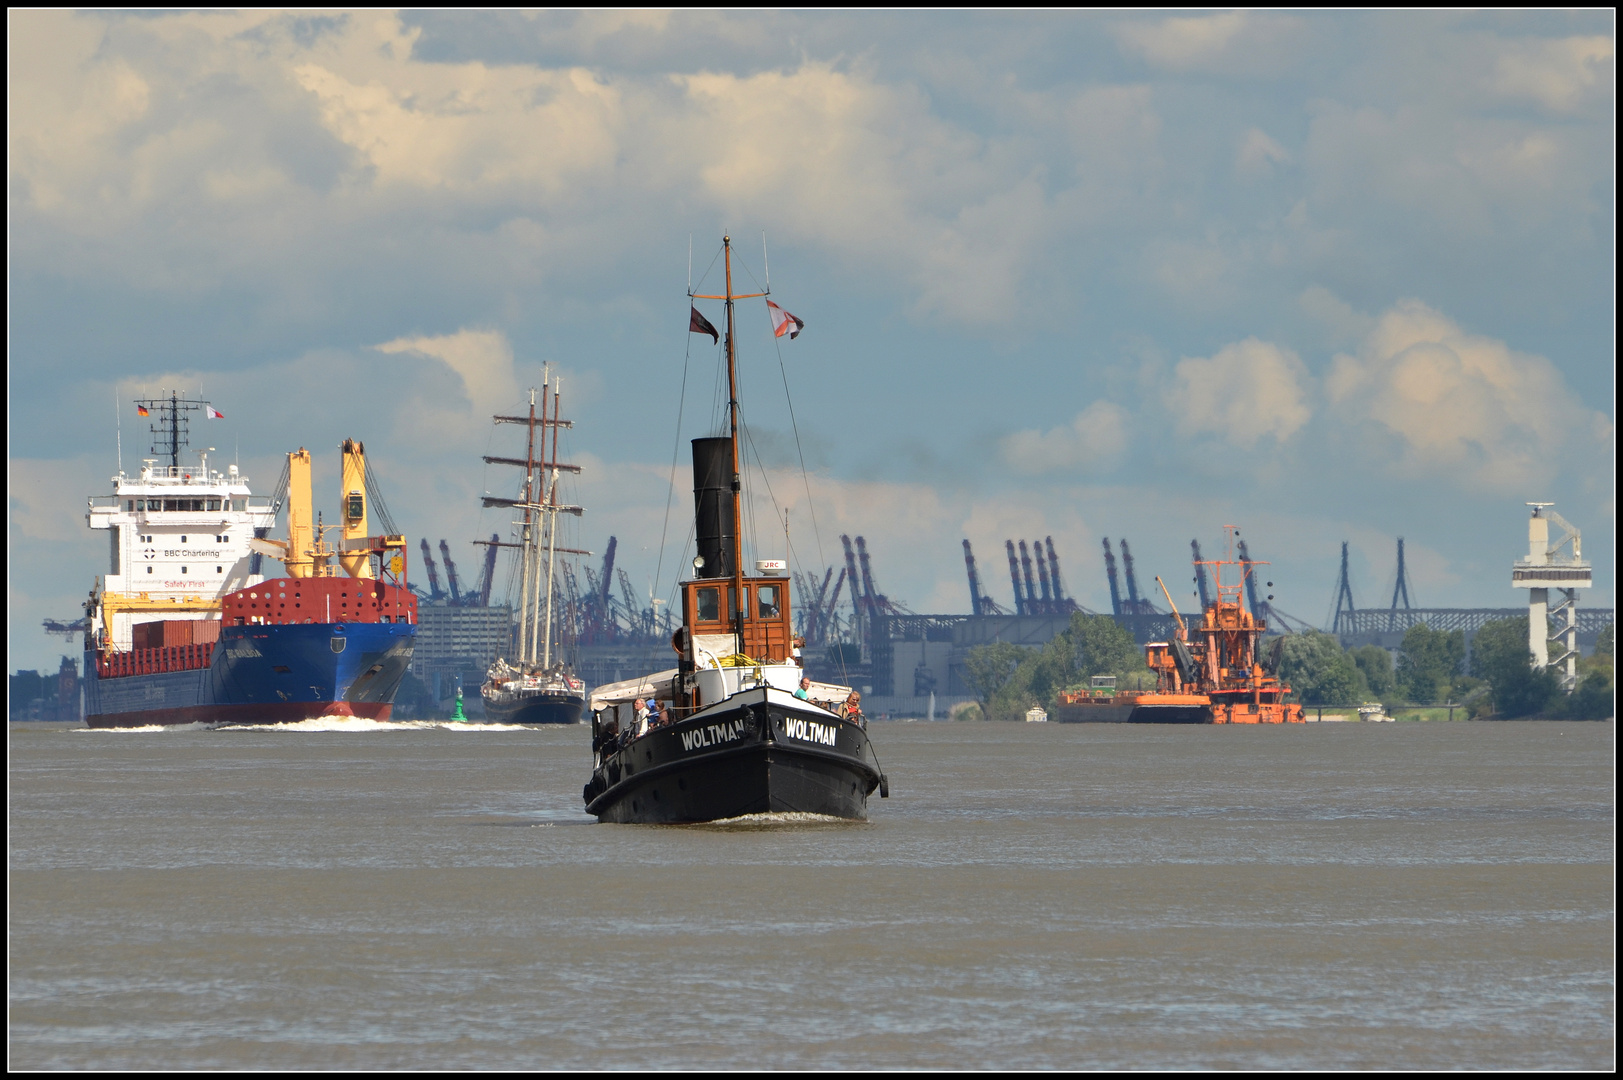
(184, 628)
(536, 684)
(733, 732)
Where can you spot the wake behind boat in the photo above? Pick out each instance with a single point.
(733, 729)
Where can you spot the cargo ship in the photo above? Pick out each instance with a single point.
(734, 729)
(1212, 673)
(185, 629)
(535, 683)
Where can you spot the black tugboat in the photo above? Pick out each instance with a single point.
(737, 740)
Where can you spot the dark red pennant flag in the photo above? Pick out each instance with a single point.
(698, 324)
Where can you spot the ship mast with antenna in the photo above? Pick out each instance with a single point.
(732, 431)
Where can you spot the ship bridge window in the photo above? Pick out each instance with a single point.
(766, 598)
(214, 504)
(707, 605)
(140, 504)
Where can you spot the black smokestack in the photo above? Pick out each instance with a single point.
(713, 505)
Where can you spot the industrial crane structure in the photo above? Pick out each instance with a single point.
(450, 574)
(436, 593)
(1014, 578)
(1200, 575)
(1115, 587)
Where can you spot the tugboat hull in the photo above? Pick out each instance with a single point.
(752, 754)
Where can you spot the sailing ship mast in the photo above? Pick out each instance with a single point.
(541, 507)
(736, 600)
(550, 508)
(524, 620)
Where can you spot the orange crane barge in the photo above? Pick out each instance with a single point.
(1207, 674)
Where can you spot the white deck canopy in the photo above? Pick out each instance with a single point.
(658, 685)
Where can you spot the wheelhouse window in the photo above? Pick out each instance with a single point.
(707, 605)
(766, 601)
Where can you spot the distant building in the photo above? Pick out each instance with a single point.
(460, 641)
(32, 696)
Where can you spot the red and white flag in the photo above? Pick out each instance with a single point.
(213, 413)
(783, 322)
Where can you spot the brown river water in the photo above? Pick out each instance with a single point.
(353, 895)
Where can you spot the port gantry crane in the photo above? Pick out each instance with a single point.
(1031, 588)
(1200, 576)
(435, 592)
(1014, 578)
(450, 574)
(1110, 572)
(1042, 576)
(1062, 603)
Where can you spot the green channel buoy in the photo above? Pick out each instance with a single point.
(457, 715)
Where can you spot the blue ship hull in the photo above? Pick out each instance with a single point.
(264, 674)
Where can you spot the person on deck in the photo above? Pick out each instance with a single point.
(803, 692)
(852, 709)
(640, 707)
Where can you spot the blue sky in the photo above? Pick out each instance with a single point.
(1326, 277)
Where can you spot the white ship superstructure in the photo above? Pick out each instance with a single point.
(179, 539)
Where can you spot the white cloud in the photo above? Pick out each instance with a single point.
(1557, 73)
(1340, 321)
(1461, 405)
(483, 359)
(1096, 438)
(1258, 154)
(1471, 176)
(1244, 392)
(469, 125)
(1229, 43)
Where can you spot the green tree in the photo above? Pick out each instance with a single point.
(1319, 672)
(1038, 679)
(1376, 664)
(1090, 645)
(987, 668)
(1592, 700)
(1500, 655)
(1428, 663)
(1104, 647)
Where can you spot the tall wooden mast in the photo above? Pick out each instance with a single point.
(732, 418)
(732, 423)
